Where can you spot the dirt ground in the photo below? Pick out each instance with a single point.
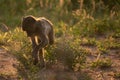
(107, 73)
(8, 63)
(9, 68)
(58, 72)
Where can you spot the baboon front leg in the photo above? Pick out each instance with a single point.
(34, 52)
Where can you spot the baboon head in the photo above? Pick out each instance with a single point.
(28, 25)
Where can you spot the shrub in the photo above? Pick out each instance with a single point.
(117, 75)
(68, 52)
(103, 64)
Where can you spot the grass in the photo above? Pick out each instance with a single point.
(117, 75)
(73, 31)
(67, 49)
(66, 52)
(89, 42)
(102, 64)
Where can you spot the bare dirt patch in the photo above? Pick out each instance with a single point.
(8, 63)
(108, 73)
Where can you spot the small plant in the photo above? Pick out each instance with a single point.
(103, 50)
(5, 38)
(110, 43)
(102, 47)
(115, 46)
(117, 75)
(67, 52)
(89, 42)
(103, 64)
(116, 35)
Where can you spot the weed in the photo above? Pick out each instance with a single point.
(89, 42)
(102, 47)
(69, 26)
(116, 35)
(103, 64)
(68, 53)
(117, 75)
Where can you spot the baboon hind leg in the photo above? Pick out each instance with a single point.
(41, 55)
(35, 57)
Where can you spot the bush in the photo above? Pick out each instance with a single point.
(68, 52)
(103, 64)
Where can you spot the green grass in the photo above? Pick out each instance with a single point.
(117, 75)
(102, 64)
(73, 30)
(67, 48)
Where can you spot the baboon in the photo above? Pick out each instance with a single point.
(40, 30)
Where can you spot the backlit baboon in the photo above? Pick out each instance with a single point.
(40, 30)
